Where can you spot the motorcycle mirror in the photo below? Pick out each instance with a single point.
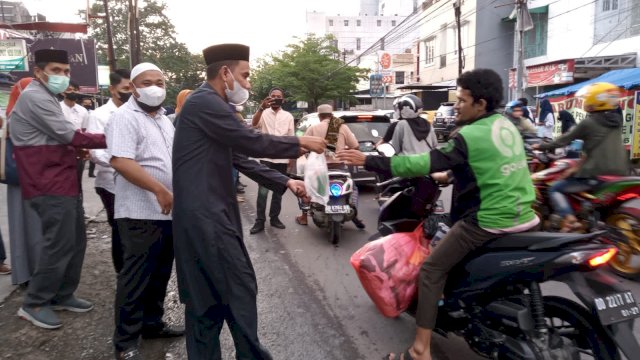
(386, 149)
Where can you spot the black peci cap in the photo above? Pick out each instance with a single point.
(51, 55)
(225, 52)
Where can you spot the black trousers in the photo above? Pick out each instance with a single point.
(92, 168)
(203, 331)
(142, 282)
(57, 272)
(263, 192)
(108, 200)
(3, 253)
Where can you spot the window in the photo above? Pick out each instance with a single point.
(453, 38)
(535, 40)
(330, 22)
(393, 23)
(346, 23)
(429, 51)
(609, 5)
(379, 22)
(399, 77)
(358, 23)
(358, 44)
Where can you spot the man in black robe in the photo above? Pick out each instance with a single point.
(216, 279)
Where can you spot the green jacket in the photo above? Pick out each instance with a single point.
(602, 135)
(492, 178)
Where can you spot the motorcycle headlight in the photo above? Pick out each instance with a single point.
(335, 189)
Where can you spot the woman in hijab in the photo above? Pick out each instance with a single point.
(566, 120)
(546, 121)
(25, 234)
(180, 99)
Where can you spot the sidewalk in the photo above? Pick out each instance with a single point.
(92, 207)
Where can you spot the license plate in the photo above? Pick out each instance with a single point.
(337, 209)
(439, 121)
(617, 307)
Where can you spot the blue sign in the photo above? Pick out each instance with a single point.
(376, 86)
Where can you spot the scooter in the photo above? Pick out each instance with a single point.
(493, 299)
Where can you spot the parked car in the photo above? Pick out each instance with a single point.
(444, 121)
(368, 128)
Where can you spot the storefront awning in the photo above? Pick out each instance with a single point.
(48, 26)
(624, 78)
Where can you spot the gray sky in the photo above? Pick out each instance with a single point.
(266, 26)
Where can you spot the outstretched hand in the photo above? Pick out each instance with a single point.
(297, 187)
(313, 143)
(352, 157)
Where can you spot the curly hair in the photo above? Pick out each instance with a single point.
(483, 84)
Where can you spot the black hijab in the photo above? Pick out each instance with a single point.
(567, 120)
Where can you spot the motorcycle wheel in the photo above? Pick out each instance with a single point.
(627, 261)
(334, 232)
(572, 321)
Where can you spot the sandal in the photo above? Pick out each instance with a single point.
(404, 356)
(302, 219)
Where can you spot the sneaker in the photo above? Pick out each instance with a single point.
(257, 227)
(129, 354)
(42, 317)
(4, 269)
(358, 223)
(276, 223)
(73, 304)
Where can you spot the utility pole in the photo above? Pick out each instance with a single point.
(456, 6)
(133, 37)
(111, 56)
(523, 23)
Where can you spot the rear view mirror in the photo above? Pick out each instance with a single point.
(386, 149)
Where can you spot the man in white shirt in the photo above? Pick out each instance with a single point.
(73, 112)
(78, 116)
(120, 91)
(271, 119)
(140, 140)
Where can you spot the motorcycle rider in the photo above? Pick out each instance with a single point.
(330, 127)
(603, 151)
(514, 112)
(412, 134)
(494, 188)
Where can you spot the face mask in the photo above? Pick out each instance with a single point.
(152, 95)
(71, 96)
(57, 83)
(88, 107)
(238, 95)
(124, 96)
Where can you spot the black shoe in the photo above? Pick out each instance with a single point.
(129, 354)
(276, 223)
(257, 227)
(358, 223)
(165, 332)
(92, 175)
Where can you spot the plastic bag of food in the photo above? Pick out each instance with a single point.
(316, 178)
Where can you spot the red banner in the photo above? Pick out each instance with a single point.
(559, 72)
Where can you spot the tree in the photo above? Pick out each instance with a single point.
(157, 41)
(309, 71)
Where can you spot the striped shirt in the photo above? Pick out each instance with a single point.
(134, 134)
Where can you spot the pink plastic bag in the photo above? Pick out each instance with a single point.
(388, 269)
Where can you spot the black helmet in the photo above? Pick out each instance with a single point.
(408, 107)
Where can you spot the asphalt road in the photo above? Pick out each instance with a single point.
(332, 283)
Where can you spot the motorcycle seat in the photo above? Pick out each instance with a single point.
(536, 240)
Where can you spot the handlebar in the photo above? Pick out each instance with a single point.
(392, 181)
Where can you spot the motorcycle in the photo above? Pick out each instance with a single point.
(613, 203)
(342, 204)
(493, 299)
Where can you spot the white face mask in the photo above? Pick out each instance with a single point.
(238, 95)
(151, 95)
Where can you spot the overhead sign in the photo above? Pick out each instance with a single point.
(559, 72)
(385, 60)
(376, 86)
(82, 58)
(13, 55)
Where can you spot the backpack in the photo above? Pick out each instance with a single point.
(333, 130)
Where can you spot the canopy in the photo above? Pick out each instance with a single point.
(624, 78)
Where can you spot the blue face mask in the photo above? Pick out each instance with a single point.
(57, 84)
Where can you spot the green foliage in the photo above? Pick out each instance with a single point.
(309, 70)
(157, 40)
